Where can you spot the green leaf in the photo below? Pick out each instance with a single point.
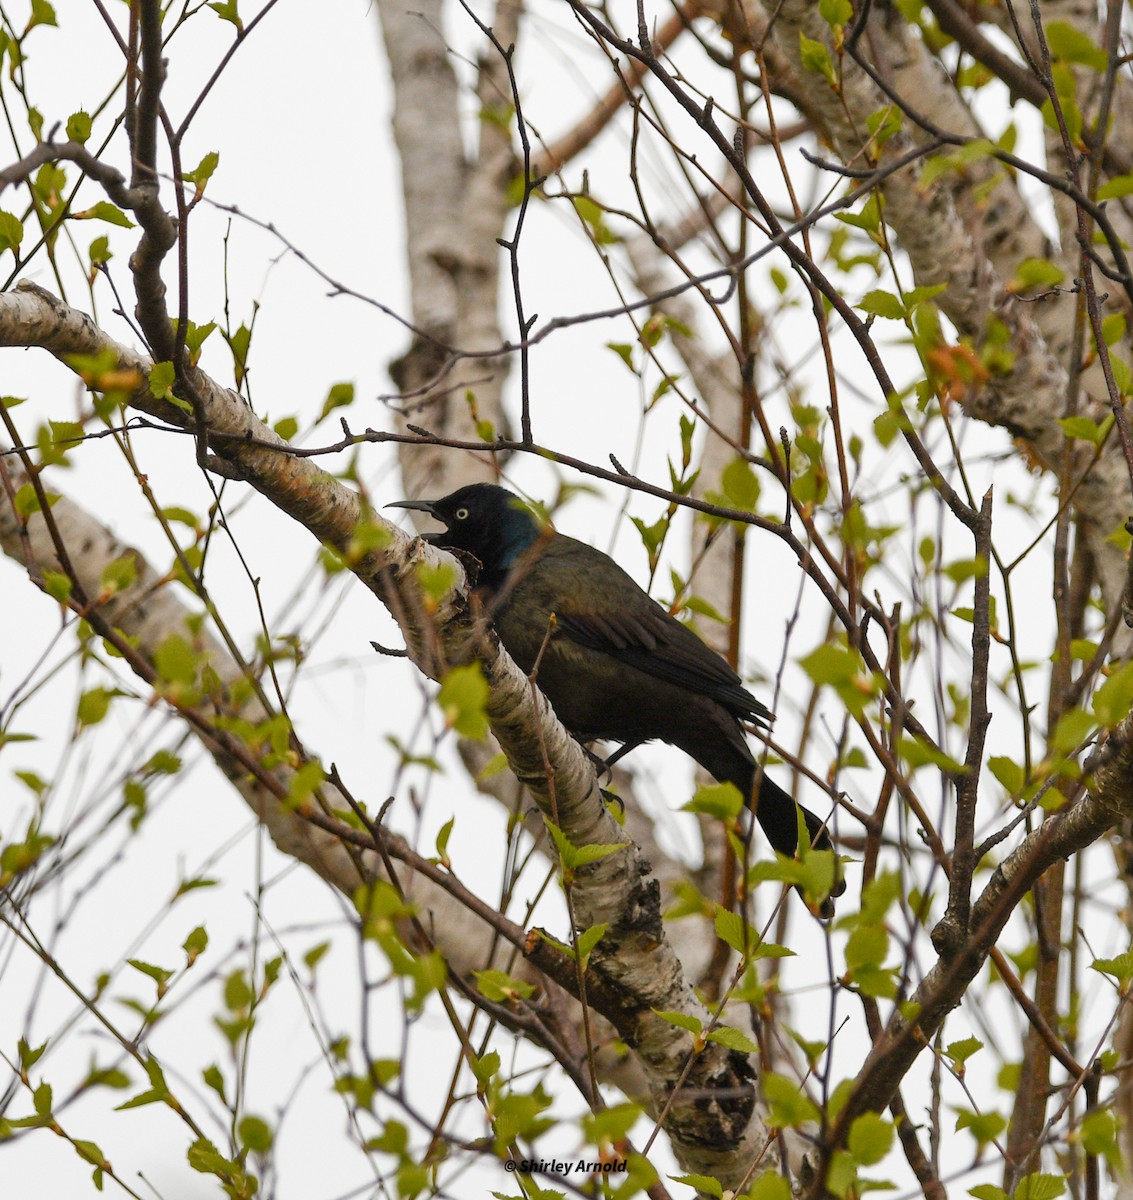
(160, 975)
(304, 783)
(227, 11)
(652, 536)
(108, 1077)
(518, 1115)
(1085, 430)
(18, 857)
(94, 705)
(239, 343)
(1113, 328)
(176, 661)
(442, 841)
(42, 14)
(1120, 185)
(237, 992)
(484, 1068)
(589, 938)
(50, 183)
(163, 762)
(339, 396)
(436, 581)
(119, 575)
(741, 487)
(195, 338)
(788, 1105)
(959, 1052)
(27, 502)
(78, 126)
(161, 379)
(1112, 701)
(836, 12)
(842, 1176)
(1040, 1187)
(918, 753)
(1008, 772)
(870, 1138)
(624, 351)
(1082, 649)
(90, 1152)
(254, 1134)
(158, 1092)
(1069, 44)
(1119, 968)
(37, 785)
(721, 800)
(769, 1186)
(964, 569)
(501, 988)
(771, 950)
(203, 171)
(916, 297)
(315, 955)
(104, 211)
(1098, 1134)
(494, 765)
(732, 1039)
(11, 231)
(1065, 88)
(572, 856)
(610, 1124)
(866, 951)
(882, 304)
(844, 670)
(191, 885)
(733, 931)
(195, 944)
(1074, 727)
(463, 696)
(1036, 273)
(368, 535)
(204, 1157)
(1122, 375)
(868, 219)
(681, 1020)
(955, 160)
(985, 1127)
(702, 1183)
(815, 57)
(594, 215)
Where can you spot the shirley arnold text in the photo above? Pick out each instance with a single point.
(555, 1166)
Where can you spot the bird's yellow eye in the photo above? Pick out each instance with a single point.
(461, 514)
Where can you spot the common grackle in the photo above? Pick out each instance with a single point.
(616, 665)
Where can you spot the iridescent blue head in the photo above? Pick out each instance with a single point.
(486, 521)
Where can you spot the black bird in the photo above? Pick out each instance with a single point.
(617, 666)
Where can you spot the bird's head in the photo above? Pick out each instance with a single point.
(486, 521)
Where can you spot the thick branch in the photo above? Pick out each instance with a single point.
(634, 957)
(159, 231)
(944, 986)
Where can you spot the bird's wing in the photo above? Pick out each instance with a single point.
(648, 638)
